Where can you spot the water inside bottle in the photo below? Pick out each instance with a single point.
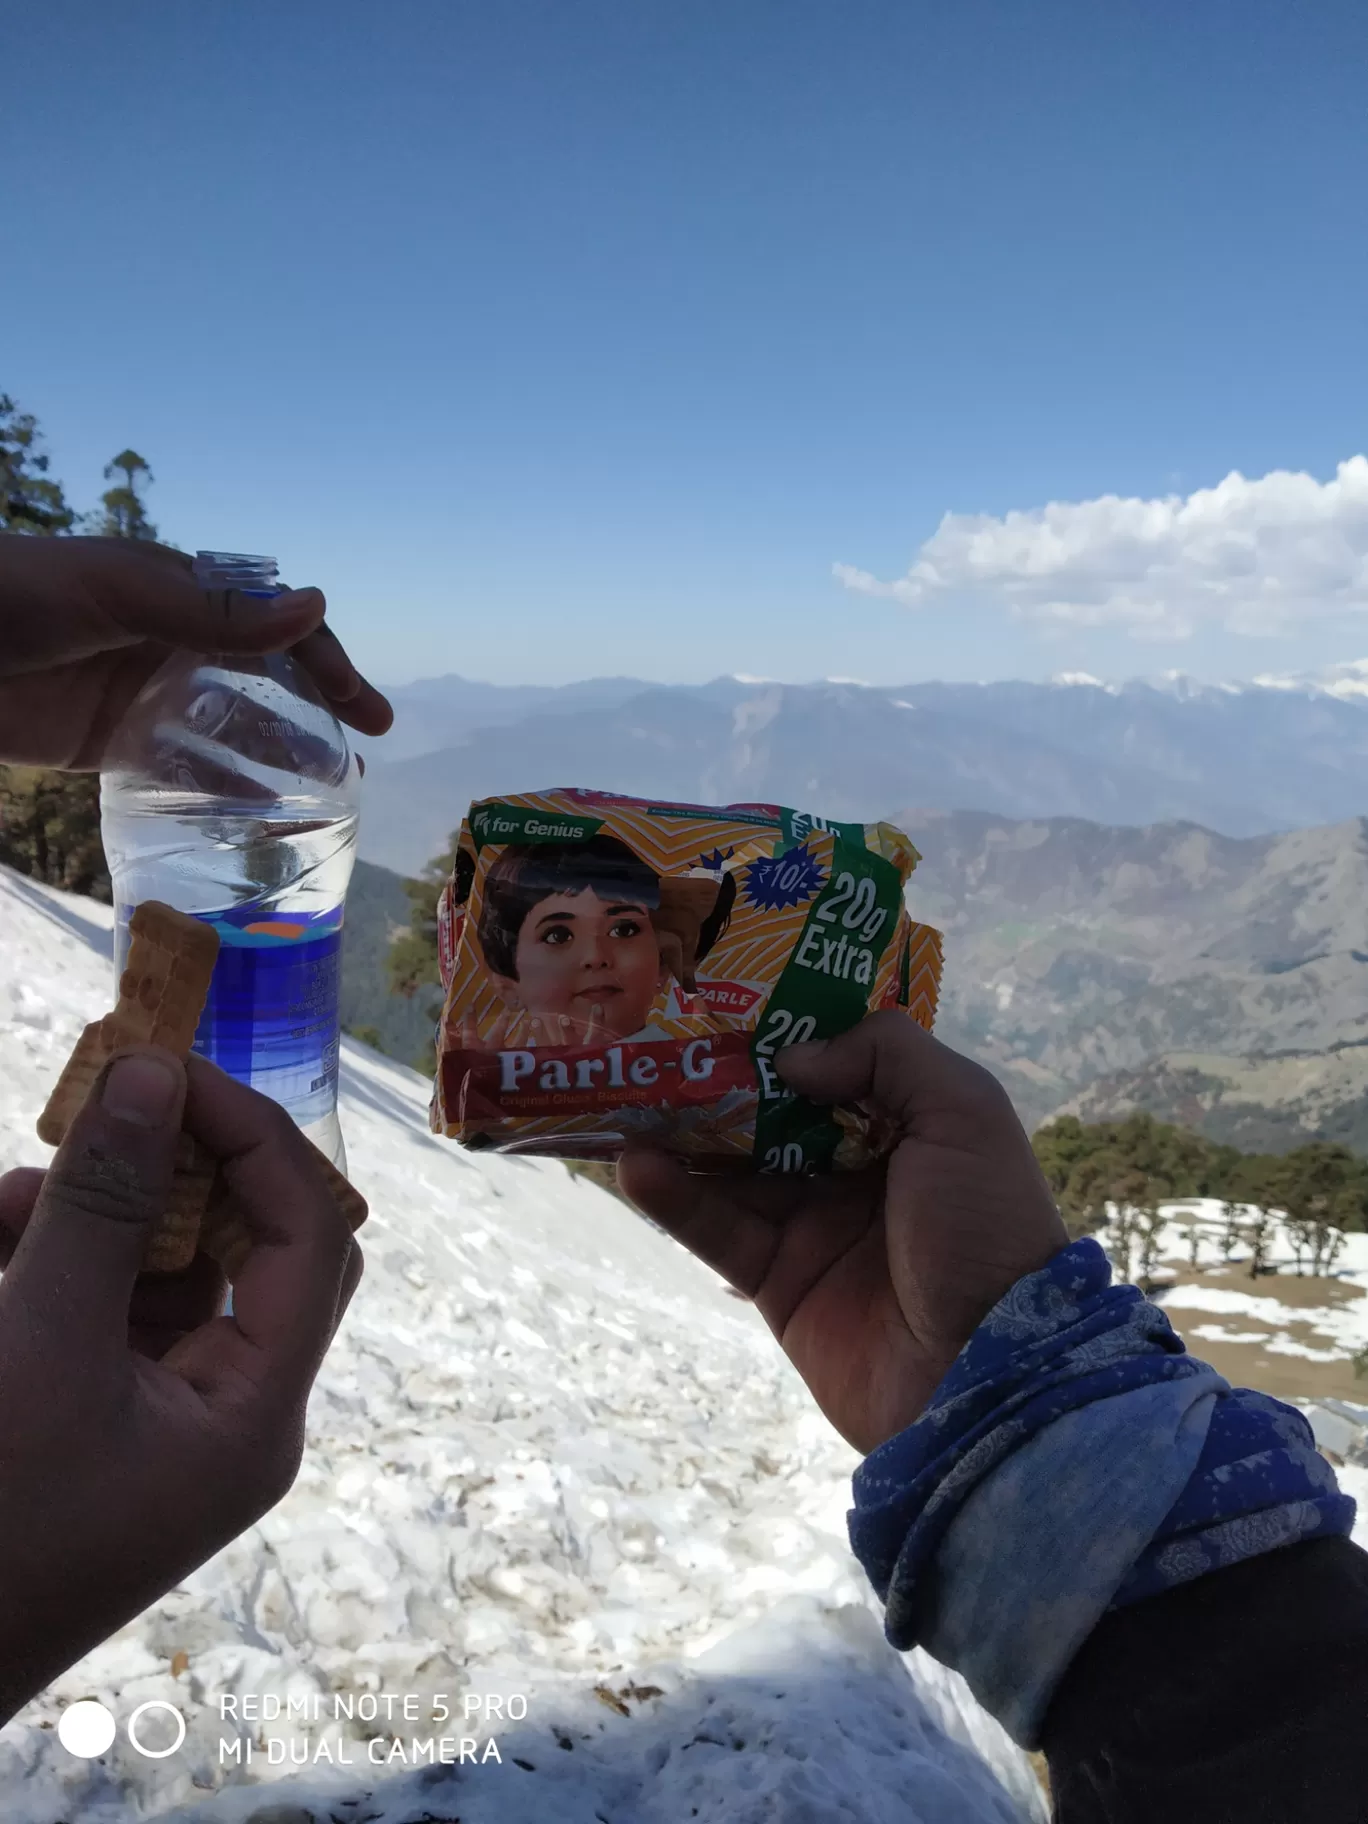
(229, 792)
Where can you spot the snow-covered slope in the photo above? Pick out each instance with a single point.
(548, 1453)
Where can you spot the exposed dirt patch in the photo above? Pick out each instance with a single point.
(1251, 1364)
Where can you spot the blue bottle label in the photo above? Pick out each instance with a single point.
(271, 1016)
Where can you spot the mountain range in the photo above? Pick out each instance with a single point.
(1218, 980)
(1239, 760)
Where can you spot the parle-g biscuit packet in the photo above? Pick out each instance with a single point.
(617, 968)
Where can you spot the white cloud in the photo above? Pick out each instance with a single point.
(1253, 557)
(1347, 681)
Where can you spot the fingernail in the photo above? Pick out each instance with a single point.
(297, 598)
(142, 1091)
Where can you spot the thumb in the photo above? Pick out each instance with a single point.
(894, 1067)
(153, 595)
(80, 1254)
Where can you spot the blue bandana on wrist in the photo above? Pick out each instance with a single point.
(1074, 1458)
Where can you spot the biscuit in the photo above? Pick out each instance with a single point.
(161, 995)
(87, 1060)
(162, 991)
(226, 1238)
(685, 906)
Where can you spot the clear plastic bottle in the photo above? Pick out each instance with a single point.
(229, 792)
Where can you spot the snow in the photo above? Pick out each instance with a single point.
(549, 1453)
(1217, 1333)
(1353, 1479)
(1244, 1304)
(1346, 1326)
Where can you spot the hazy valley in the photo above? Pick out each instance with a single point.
(1244, 761)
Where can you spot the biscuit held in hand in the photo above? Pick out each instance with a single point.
(142, 1428)
(87, 1060)
(165, 980)
(161, 996)
(225, 1235)
(162, 992)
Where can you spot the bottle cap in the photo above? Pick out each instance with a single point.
(236, 570)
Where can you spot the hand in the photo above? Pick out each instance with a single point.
(140, 1431)
(84, 622)
(873, 1281)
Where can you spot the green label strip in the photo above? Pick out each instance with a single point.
(799, 825)
(824, 989)
(494, 822)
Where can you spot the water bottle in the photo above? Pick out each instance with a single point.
(229, 792)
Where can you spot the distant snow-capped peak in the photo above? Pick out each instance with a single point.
(1347, 681)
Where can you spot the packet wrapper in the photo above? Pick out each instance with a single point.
(618, 969)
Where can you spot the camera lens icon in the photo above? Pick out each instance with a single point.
(152, 1707)
(87, 1729)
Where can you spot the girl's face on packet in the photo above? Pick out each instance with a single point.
(577, 952)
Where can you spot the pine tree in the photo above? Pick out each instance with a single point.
(413, 953)
(1321, 1187)
(50, 828)
(50, 820)
(1231, 1213)
(1150, 1226)
(30, 501)
(123, 511)
(412, 961)
(1257, 1232)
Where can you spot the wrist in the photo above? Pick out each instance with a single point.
(1074, 1426)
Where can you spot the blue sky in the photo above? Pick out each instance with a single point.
(556, 339)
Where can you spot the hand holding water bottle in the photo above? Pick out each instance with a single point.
(210, 700)
(85, 622)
